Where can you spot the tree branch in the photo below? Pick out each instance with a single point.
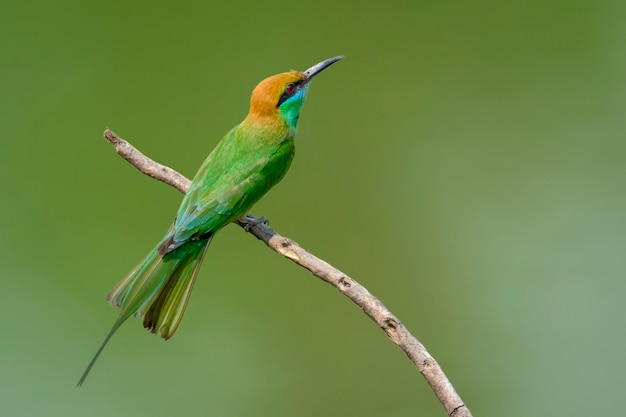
(395, 330)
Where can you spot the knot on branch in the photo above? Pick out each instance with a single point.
(390, 327)
(456, 410)
(345, 282)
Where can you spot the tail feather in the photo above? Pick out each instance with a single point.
(157, 290)
(164, 313)
(93, 360)
(137, 282)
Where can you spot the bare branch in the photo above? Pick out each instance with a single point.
(389, 323)
(146, 165)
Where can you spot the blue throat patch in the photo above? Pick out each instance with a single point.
(290, 109)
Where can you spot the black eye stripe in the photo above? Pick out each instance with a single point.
(285, 95)
(282, 99)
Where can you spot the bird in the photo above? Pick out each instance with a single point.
(249, 160)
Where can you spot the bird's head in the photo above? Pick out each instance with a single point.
(280, 96)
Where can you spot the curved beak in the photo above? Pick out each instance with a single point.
(317, 68)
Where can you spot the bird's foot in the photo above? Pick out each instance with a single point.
(249, 221)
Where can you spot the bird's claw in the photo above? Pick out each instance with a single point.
(249, 221)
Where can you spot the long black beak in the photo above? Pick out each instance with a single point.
(317, 68)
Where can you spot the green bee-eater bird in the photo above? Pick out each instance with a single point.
(252, 158)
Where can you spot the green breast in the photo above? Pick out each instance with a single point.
(239, 171)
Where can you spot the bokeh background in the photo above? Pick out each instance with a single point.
(465, 162)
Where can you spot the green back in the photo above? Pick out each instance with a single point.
(241, 169)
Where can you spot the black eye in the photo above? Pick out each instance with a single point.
(290, 88)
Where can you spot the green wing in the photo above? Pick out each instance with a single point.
(231, 180)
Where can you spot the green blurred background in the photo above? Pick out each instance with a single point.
(465, 162)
